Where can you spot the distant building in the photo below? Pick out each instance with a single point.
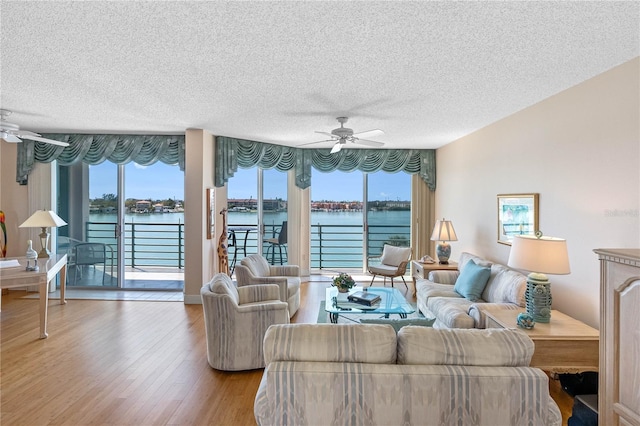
(143, 206)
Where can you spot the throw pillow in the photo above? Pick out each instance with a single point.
(472, 281)
(397, 324)
(394, 256)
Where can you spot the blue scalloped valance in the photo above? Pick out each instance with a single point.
(94, 149)
(233, 153)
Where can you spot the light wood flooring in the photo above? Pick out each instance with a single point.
(128, 363)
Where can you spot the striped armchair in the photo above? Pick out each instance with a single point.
(236, 320)
(254, 269)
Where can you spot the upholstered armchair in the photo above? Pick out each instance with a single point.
(236, 320)
(254, 269)
(392, 263)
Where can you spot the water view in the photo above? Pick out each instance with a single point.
(157, 239)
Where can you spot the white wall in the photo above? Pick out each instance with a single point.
(580, 151)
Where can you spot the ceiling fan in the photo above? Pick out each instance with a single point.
(11, 132)
(342, 135)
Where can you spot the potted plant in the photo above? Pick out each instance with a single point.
(344, 282)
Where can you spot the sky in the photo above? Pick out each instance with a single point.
(161, 181)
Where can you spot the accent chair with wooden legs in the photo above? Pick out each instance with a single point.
(391, 263)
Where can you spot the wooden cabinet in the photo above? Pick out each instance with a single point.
(619, 380)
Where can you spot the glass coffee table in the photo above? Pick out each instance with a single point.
(391, 302)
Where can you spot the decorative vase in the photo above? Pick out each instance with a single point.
(343, 290)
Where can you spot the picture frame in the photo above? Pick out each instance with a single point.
(517, 215)
(210, 203)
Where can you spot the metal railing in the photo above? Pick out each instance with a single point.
(332, 246)
(146, 244)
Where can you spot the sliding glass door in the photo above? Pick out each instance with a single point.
(388, 212)
(257, 215)
(124, 232)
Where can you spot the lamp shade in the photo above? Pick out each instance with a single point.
(443, 231)
(546, 255)
(43, 219)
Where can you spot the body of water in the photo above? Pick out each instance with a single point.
(336, 237)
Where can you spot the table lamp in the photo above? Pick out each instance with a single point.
(43, 219)
(539, 255)
(443, 232)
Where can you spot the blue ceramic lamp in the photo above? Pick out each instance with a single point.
(544, 255)
(443, 232)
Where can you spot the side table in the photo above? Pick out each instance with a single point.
(421, 270)
(564, 345)
(49, 268)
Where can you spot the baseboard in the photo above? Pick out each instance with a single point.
(192, 299)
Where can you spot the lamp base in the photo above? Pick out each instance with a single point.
(44, 242)
(443, 251)
(538, 297)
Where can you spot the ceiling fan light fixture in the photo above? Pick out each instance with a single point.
(336, 148)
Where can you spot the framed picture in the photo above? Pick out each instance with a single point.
(210, 202)
(517, 215)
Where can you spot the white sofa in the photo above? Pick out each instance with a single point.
(436, 297)
(334, 374)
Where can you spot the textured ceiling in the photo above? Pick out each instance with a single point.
(426, 73)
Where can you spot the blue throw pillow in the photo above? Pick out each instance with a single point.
(472, 281)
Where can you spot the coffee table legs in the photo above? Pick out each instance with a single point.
(333, 317)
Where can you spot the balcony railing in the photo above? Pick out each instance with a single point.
(145, 244)
(332, 246)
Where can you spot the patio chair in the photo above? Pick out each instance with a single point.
(88, 254)
(254, 269)
(279, 242)
(392, 263)
(236, 320)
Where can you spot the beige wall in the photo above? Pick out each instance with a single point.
(580, 151)
(13, 201)
(201, 258)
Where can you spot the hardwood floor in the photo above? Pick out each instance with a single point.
(123, 363)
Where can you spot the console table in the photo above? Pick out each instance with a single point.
(421, 270)
(564, 345)
(18, 277)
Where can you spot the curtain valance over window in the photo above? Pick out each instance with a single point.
(94, 149)
(231, 153)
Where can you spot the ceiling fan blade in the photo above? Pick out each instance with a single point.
(24, 133)
(366, 142)
(327, 133)
(336, 148)
(313, 143)
(9, 137)
(45, 140)
(369, 133)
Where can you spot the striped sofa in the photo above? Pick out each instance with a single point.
(437, 299)
(356, 374)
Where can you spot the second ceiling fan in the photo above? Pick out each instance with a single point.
(342, 135)
(11, 132)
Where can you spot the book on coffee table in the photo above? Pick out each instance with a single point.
(364, 298)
